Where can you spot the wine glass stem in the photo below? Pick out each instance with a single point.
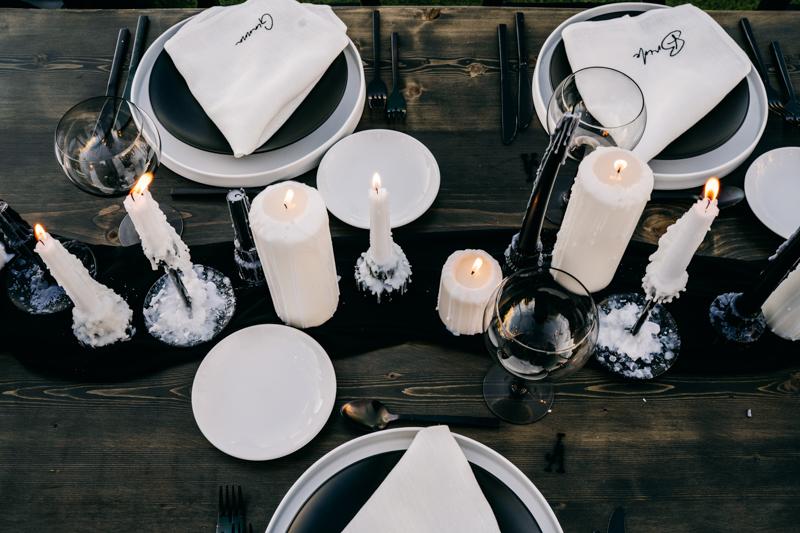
(518, 387)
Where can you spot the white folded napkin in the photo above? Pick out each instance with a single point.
(431, 490)
(682, 60)
(250, 66)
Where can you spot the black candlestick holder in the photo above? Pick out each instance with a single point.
(174, 317)
(245, 253)
(29, 285)
(525, 249)
(643, 347)
(734, 324)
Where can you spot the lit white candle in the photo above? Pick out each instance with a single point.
(666, 274)
(160, 241)
(605, 204)
(100, 316)
(380, 229)
(782, 308)
(290, 228)
(468, 279)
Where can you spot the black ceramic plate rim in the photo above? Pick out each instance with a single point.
(339, 63)
(633, 12)
(378, 455)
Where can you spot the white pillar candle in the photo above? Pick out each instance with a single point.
(605, 204)
(782, 308)
(468, 279)
(380, 228)
(100, 315)
(160, 241)
(666, 274)
(290, 228)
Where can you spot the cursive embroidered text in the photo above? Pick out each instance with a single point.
(671, 42)
(262, 23)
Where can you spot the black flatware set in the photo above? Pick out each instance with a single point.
(514, 116)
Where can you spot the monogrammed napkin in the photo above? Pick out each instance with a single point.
(682, 60)
(251, 65)
(431, 490)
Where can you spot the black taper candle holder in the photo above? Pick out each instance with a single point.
(780, 264)
(525, 249)
(19, 237)
(245, 253)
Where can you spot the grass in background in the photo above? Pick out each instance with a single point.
(715, 5)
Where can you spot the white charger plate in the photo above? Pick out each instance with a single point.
(400, 439)
(408, 171)
(772, 187)
(676, 173)
(263, 392)
(254, 170)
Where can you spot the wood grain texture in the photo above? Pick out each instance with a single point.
(679, 452)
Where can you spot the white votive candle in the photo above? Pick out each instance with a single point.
(666, 274)
(380, 229)
(782, 308)
(290, 228)
(468, 279)
(605, 204)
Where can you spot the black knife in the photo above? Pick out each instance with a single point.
(508, 117)
(124, 113)
(105, 120)
(525, 95)
(617, 522)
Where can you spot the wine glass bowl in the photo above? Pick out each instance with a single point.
(611, 106)
(105, 144)
(538, 331)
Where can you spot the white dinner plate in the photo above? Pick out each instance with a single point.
(674, 173)
(254, 170)
(408, 171)
(263, 392)
(772, 187)
(400, 439)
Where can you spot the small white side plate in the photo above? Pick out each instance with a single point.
(772, 187)
(408, 171)
(263, 392)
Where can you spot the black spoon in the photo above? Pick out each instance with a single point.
(372, 415)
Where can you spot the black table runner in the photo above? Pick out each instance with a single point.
(46, 343)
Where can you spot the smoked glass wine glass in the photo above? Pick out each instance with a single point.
(105, 144)
(538, 331)
(613, 113)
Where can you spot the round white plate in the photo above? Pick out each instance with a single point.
(676, 173)
(254, 170)
(400, 439)
(772, 187)
(263, 392)
(408, 171)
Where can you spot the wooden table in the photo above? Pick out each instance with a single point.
(678, 452)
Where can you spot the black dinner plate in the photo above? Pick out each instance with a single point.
(709, 133)
(182, 116)
(337, 501)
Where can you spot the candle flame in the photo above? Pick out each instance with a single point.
(376, 181)
(287, 201)
(142, 183)
(40, 233)
(620, 164)
(476, 266)
(711, 190)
